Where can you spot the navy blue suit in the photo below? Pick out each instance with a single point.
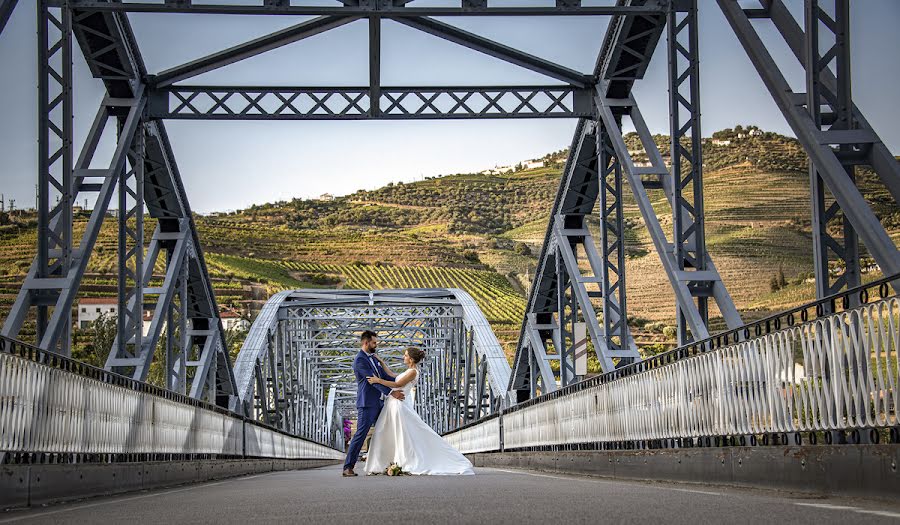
(369, 402)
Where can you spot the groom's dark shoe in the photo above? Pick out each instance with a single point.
(348, 473)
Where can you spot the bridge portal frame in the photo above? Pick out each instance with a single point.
(294, 371)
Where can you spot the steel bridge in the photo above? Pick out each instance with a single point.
(787, 386)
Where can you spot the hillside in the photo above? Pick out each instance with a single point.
(482, 233)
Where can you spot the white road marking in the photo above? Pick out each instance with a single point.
(828, 506)
(130, 498)
(694, 491)
(880, 513)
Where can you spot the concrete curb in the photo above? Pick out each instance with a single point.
(28, 485)
(869, 471)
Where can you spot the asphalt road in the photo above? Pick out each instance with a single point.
(491, 496)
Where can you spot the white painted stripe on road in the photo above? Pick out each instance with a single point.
(707, 492)
(118, 500)
(828, 506)
(879, 513)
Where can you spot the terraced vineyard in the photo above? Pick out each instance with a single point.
(482, 233)
(493, 293)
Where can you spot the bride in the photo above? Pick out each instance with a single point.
(402, 437)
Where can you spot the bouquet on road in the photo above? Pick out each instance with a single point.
(395, 470)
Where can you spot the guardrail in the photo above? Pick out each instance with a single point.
(55, 409)
(833, 377)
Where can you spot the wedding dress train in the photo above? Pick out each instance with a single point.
(402, 437)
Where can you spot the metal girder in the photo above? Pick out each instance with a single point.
(6, 10)
(374, 66)
(686, 153)
(497, 50)
(394, 9)
(846, 248)
(131, 283)
(151, 182)
(573, 196)
(249, 49)
(686, 284)
(623, 59)
(64, 286)
(305, 339)
(354, 103)
(132, 357)
(539, 361)
(55, 110)
(612, 241)
(879, 157)
(828, 162)
(569, 233)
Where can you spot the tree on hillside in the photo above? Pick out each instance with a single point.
(782, 282)
(104, 335)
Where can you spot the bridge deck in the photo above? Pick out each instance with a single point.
(492, 496)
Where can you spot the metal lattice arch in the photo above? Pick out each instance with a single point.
(294, 369)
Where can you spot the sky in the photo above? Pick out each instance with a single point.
(231, 165)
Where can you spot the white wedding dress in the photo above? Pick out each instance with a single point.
(402, 437)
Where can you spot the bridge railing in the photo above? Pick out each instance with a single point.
(56, 409)
(828, 369)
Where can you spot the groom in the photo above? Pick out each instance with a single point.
(369, 398)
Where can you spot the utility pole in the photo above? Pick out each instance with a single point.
(2, 209)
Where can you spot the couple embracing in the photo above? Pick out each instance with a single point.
(401, 437)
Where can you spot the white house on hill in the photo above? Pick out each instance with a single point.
(231, 319)
(91, 308)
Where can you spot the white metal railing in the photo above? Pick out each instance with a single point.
(838, 372)
(45, 409)
(483, 437)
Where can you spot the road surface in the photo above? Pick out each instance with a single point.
(491, 496)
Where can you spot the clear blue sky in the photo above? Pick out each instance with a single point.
(228, 165)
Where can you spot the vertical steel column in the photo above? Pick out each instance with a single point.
(54, 238)
(612, 241)
(374, 66)
(839, 116)
(184, 341)
(562, 336)
(131, 249)
(686, 154)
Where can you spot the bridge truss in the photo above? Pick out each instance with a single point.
(579, 291)
(295, 371)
